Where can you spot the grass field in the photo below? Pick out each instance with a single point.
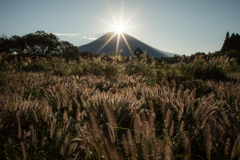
(112, 107)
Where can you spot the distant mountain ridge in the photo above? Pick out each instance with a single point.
(110, 47)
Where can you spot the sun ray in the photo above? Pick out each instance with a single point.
(117, 45)
(132, 16)
(119, 28)
(121, 16)
(127, 44)
(106, 42)
(137, 26)
(105, 21)
(112, 14)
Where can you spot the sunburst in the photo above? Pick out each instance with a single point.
(119, 29)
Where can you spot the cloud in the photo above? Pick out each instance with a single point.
(66, 34)
(75, 34)
(90, 37)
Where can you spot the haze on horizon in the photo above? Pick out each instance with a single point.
(182, 27)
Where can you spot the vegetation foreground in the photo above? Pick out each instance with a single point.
(113, 107)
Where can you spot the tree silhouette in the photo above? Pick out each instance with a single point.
(67, 49)
(227, 36)
(233, 35)
(6, 44)
(38, 43)
(232, 43)
(41, 43)
(138, 52)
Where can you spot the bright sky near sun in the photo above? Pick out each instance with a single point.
(176, 26)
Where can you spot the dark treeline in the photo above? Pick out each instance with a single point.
(38, 43)
(231, 43)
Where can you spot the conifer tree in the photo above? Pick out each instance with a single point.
(227, 36)
(233, 35)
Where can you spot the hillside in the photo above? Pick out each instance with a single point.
(94, 47)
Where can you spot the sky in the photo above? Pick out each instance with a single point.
(175, 26)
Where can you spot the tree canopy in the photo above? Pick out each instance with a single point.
(232, 43)
(38, 43)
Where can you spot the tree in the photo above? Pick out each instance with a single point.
(4, 44)
(227, 36)
(138, 52)
(38, 43)
(41, 43)
(17, 44)
(232, 43)
(233, 35)
(67, 49)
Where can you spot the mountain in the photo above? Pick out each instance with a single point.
(95, 46)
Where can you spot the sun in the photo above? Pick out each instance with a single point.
(119, 29)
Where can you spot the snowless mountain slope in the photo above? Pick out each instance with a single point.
(110, 47)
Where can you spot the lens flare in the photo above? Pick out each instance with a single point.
(119, 29)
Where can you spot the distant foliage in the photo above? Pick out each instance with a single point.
(232, 43)
(38, 43)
